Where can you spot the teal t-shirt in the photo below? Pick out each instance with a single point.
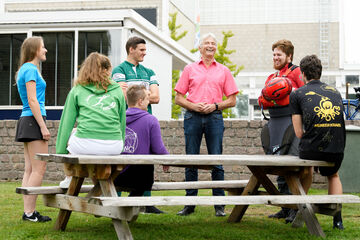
(131, 74)
(29, 72)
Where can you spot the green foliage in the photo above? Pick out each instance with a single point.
(175, 109)
(173, 28)
(222, 56)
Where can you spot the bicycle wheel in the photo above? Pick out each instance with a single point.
(351, 112)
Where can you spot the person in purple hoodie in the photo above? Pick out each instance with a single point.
(143, 136)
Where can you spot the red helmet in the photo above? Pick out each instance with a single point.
(277, 88)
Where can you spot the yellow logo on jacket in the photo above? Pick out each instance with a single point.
(325, 109)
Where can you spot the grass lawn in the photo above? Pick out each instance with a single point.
(201, 225)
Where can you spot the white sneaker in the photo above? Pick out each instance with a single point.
(66, 182)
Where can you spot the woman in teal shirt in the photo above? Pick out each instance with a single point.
(31, 128)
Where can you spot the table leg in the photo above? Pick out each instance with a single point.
(95, 191)
(64, 215)
(239, 210)
(264, 180)
(121, 226)
(306, 210)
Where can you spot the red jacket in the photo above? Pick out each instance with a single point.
(296, 81)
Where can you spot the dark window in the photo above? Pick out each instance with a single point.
(65, 68)
(93, 42)
(57, 70)
(9, 58)
(352, 79)
(242, 105)
(147, 13)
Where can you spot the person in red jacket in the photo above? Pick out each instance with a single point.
(278, 135)
(283, 52)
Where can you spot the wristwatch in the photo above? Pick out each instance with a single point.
(216, 106)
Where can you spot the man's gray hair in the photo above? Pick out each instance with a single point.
(206, 36)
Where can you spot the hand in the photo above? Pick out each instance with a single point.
(45, 133)
(198, 107)
(166, 168)
(209, 108)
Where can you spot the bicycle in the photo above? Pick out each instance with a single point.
(352, 106)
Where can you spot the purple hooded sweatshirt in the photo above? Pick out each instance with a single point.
(143, 134)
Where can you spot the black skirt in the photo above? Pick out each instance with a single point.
(28, 129)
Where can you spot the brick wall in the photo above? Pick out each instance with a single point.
(240, 137)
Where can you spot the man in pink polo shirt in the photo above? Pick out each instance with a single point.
(206, 82)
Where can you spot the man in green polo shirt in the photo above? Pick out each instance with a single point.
(132, 72)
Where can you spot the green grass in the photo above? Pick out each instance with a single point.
(201, 225)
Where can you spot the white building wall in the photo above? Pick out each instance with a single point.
(187, 24)
(160, 62)
(214, 12)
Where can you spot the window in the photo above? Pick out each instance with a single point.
(9, 57)
(105, 42)
(352, 79)
(57, 70)
(242, 106)
(148, 13)
(93, 42)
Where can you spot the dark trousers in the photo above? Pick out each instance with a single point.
(136, 179)
(212, 126)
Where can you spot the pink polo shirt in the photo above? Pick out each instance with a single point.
(206, 84)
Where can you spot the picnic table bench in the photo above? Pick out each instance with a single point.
(235, 186)
(102, 199)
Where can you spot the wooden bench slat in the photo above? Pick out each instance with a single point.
(242, 160)
(199, 185)
(81, 204)
(157, 186)
(49, 190)
(226, 200)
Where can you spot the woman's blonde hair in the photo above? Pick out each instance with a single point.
(95, 70)
(28, 51)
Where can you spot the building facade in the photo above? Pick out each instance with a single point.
(314, 27)
(71, 31)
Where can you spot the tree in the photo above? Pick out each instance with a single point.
(175, 109)
(173, 27)
(222, 56)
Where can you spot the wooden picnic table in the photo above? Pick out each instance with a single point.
(104, 169)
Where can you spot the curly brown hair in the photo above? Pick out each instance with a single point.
(286, 46)
(95, 70)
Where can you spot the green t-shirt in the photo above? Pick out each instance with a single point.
(131, 74)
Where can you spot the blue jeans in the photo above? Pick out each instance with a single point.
(212, 125)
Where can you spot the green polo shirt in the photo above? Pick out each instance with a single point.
(131, 74)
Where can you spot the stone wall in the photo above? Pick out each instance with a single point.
(240, 137)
